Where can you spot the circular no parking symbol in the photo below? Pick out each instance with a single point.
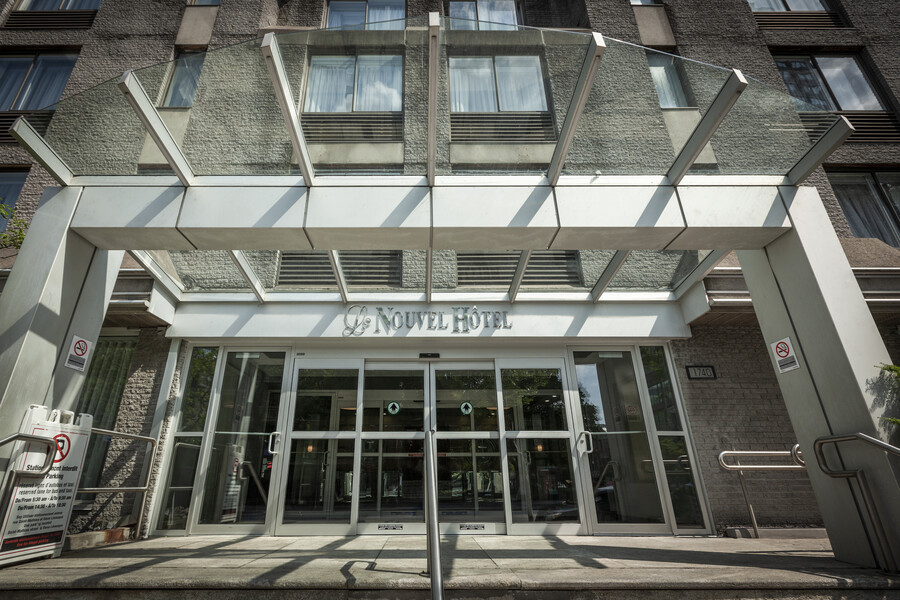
(63, 445)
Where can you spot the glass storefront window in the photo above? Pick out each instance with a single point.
(533, 400)
(466, 400)
(326, 400)
(470, 481)
(680, 478)
(394, 400)
(659, 384)
(320, 481)
(391, 476)
(541, 482)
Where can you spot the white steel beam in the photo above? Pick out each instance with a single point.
(706, 128)
(35, 144)
(519, 275)
(169, 283)
(156, 127)
(576, 108)
(830, 141)
(338, 273)
(247, 272)
(429, 275)
(700, 272)
(434, 48)
(282, 86)
(609, 272)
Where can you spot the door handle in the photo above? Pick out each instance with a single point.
(588, 442)
(273, 437)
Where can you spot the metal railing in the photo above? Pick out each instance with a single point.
(433, 532)
(887, 561)
(794, 453)
(11, 480)
(142, 489)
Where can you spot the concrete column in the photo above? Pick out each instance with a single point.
(59, 288)
(803, 288)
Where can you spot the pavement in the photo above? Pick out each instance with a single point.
(391, 566)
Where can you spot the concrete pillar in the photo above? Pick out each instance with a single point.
(803, 288)
(59, 287)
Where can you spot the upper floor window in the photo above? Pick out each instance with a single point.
(11, 183)
(59, 5)
(871, 203)
(640, 2)
(484, 14)
(204, 2)
(34, 82)
(184, 80)
(829, 82)
(371, 14)
(668, 80)
(368, 83)
(786, 5)
(499, 83)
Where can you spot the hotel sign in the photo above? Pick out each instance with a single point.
(360, 319)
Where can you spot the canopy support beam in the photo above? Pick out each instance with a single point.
(434, 55)
(519, 275)
(609, 273)
(249, 275)
(282, 86)
(35, 144)
(335, 260)
(171, 285)
(139, 100)
(706, 128)
(700, 272)
(579, 101)
(830, 141)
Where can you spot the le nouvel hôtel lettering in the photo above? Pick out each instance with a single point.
(359, 319)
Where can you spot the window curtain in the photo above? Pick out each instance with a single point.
(386, 14)
(520, 83)
(346, 15)
(867, 215)
(10, 186)
(667, 80)
(81, 4)
(379, 83)
(807, 5)
(848, 84)
(766, 5)
(12, 74)
(39, 5)
(472, 85)
(494, 15)
(185, 79)
(804, 83)
(330, 87)
(101, 395)
(46, 82)
(463, 16)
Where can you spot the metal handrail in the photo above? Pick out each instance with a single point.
(433, 537)
(889, 563)
(794, 453)
(52, 449)
(142, 490)
(259, 485)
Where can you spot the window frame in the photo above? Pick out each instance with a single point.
(863, 69)
(788, 9)
(355, 57)
(59, 7)
(494, 57)
(365, 24)
(5, 201)
(520, 17)
(17, 97)
(881, 196)
(690, 101)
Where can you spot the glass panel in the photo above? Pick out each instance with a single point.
(46, 81)
(391, 489)
(848, 83)
(466, 400)
(81, 4)
(198, 389)
(520, 83)
(541, 485)
(472, 85)
(326, 400)
(386, 14)
(185, 77)
(659, 383)
(465, 493)
(12, 73)
(890, 182)
(240, 465)
(680, 477)
(394, 401)
(207, 271)
(804, 82)
(463, 16)
(622, 476)
(497, 15)
(180, 486)
(807, 5)
(10, 186)
(667, 79)
(533, 400)
(320, 482)
(564, 269)
(330, 87)
(379, 83)
(39, 5)
(655, 269)
(767, 6)
(866, 213)
(346, 15)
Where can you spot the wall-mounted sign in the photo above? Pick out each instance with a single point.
(360, 319)
(785, 357)
(394, 408)
(79, 353)
(701, 372)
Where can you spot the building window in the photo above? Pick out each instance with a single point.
(34, 82)
(786, 5)
(184, 80)
(342, 84)
(371, 15)
(497, 84)
(204, 2)
(871, 203)
(59, 5)
(487, 15)
(11, 183)
(643, 2)
(828, 82)
(669, 80)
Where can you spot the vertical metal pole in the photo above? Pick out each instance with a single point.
(749, 506)
(433, 537)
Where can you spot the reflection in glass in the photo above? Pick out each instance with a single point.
(659, 384)
(466, 400)
(180, 486)
(197, 389)
(680, 477)
(394, 401)
(320, 482)
(541, 485)
(466, 493)
(240, 465)
(326, 400)
(533, 400)
(390, 482)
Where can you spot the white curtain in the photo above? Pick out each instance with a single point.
(667, 80)
(46, 82)
(386, 14)
(847, 83)
(379, 83)
(766, 5)
(330, 87)
(472, 85)
(865, 211)
(39, 5)
(345, 14)
(82, 4)
(12, 73)
(463, 16)
(520, 83)
(496, 14)
(807, 5)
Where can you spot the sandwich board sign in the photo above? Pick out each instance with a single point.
(37, 513)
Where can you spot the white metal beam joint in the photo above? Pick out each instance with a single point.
(35, 144)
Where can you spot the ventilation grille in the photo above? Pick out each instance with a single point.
(799, 20)
(546, 268)
(352, 127)
(872, 127)
(50, 19)
(375, 268)
(39, 119)
(502, 127)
